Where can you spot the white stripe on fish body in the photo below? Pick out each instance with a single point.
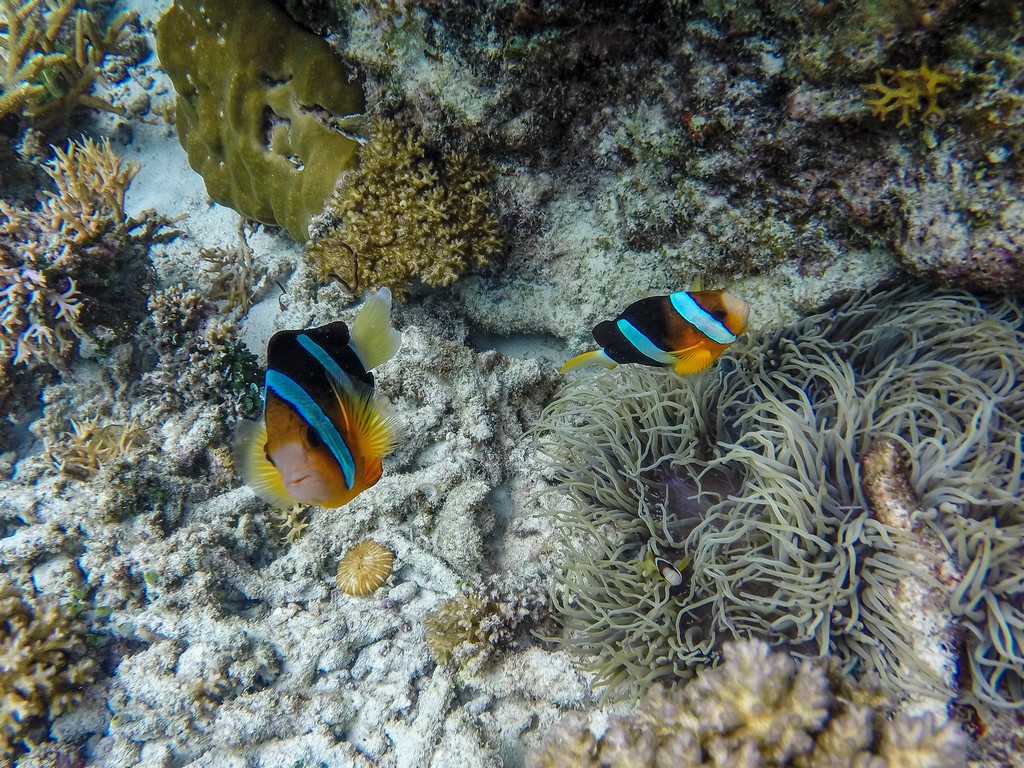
(643, 345)
(696, 315)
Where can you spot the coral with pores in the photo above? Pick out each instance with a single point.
(757, 710)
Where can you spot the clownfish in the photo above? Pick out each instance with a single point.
(323, 432)
(685, 331)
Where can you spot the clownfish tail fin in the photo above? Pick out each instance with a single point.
(249, 453)
(597, 357)
(374, 339)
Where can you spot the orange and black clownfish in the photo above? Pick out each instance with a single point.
(323, 432)
(685, 331)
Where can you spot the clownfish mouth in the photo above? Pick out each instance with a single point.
(297, 481)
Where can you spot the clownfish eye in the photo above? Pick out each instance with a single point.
(313, 437)
(720, 314)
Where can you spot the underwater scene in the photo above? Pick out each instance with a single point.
(523, 383)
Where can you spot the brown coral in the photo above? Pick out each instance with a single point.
(43, 666)
(364, 568)
(406, 215)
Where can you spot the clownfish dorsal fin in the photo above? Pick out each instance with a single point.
(251, 462)
(368, 426)
(373, 338)
(596, 357)
(693, 359)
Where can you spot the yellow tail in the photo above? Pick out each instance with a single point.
(597, 357)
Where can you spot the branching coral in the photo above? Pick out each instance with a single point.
(908, 89)
(90, 444)
(232, 273)
(405, 215)
(469, 628)
(46, 255)
(52, 53)
(43, 666)
(757, 710)
(747, 481)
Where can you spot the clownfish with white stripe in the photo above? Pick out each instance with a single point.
(324, 432)
(685, 331)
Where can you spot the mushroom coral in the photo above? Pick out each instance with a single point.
(732, 504)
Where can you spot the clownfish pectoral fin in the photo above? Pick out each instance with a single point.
(597, 357)
(251, 462)
(693, 360)
(373, 337)
(370, 429)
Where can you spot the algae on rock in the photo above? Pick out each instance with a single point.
(256, 94)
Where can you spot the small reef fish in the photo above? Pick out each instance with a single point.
(323, 432)
(685, 331)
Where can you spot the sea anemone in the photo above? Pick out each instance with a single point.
(732, 504)
(364, 568)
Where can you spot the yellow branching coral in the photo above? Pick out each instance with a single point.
(43, 666)
(90, 444)
(91, 181)
(406, 215)
(906, 91)
(41, 75)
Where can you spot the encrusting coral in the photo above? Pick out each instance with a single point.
(746, 482)
(44, 664)
(758, 709)
(406, 215)
(52, 53)
(273, 154)
(47, 255)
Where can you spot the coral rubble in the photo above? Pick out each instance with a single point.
(404, 215)
(271, 153)
(749, 478)
(757, 710)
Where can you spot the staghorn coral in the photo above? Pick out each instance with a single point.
(46, 255)
(90, 444)
(469, 628)
(52, 54)
(757, 710)
(274, 155)
(44, 664)
(908, 88)
(405, 215)
(749, 479)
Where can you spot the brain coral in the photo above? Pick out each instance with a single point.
(758, 709)
(256, 94)
(43, 666)
(746, 483)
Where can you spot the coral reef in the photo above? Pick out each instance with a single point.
(364, 568)
(44, 664)
(232, 273)
(406, 215)
(747, 480)
(908, 89)
(70, 264)
(89, 445)
(471, 627)
(758, 709)
(274, 155)
(52, 54)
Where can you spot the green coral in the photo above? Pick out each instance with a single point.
(747, 482)
(757, 710)
(406, 214)
(256, 98)
(52, 54)
(44, 665)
